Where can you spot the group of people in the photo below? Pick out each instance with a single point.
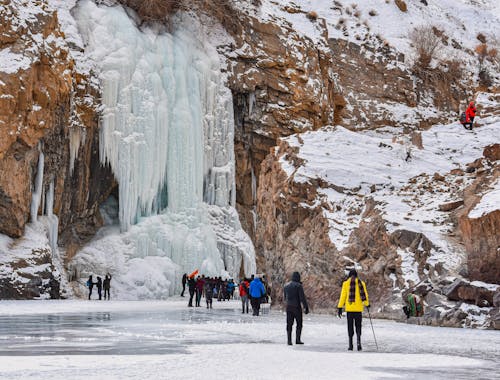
(100, 285)
(251, 291)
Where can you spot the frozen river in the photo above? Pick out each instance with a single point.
(167, 340)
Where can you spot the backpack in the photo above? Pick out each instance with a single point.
(88, 284)
(463, 118)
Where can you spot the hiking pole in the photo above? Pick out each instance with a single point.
(370, 317)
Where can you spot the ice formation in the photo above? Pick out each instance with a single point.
(167, 133)
(36, 195)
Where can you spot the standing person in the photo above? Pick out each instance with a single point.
(209, 293)
(354, 296)
(230, 289)
(107, 286)
(470, 114)
(90, 285)
(184, 280)
(200, 284)
(257, 291)
(295, 298)
(99, 287)
(244, 285)
(192, 288)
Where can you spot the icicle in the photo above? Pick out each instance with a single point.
(254, 187)
(251, 103)
(37, 192)
(52, 220)
(75, 140)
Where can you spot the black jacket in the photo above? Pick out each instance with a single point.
(294, 293)
(191, 284)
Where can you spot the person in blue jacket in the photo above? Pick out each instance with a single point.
(257, 292)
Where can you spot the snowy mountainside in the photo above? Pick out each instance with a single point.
(412, 195)
(377, 82)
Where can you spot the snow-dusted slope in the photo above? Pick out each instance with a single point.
(360, 21)
(379, 165)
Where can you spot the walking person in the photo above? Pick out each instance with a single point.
(257, 292)
(355, 297)
(107, 286)
(295, 299)
(209, 293)
(99, 287)
(184, 280)
(244, 285)
(90, 285)
(192, 288)
(200, 284)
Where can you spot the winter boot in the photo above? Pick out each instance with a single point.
(350, 348)
(359, 343)
(289, 335)
(297, 337)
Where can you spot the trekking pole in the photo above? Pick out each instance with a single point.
(370, 317)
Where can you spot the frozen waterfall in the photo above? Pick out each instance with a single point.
(167, 132)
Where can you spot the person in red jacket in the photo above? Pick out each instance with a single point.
(244, 285)
(470, 114)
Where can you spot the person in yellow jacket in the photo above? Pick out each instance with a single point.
(355, 297)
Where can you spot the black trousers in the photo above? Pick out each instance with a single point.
(255, 305)
(294, 313)
(191, 295)
(90, 291)
(183, 289)
(106, 292)
(354, 320)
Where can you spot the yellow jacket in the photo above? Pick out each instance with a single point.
(357, 305)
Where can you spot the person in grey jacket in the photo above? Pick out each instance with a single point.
(295, 299)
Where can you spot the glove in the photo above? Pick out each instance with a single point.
(368, 307)
(306, 311)
(340, 312)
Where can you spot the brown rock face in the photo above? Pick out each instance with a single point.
(481, 234)
(293, 237)
(47, 107)
(34, 104)
(367, 83)
(282, 83)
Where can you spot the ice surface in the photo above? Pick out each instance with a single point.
(117, 340)
(167, 132)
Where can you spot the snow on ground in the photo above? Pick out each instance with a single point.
(160, 340)
(461, 20)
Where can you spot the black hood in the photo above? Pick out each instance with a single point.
(296, 276)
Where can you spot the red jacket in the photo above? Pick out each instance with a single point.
(470, 112)
(244, 292)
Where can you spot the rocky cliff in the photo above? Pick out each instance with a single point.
(47, 111)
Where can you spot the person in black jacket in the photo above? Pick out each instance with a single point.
(295, 298)
(99, 287)
(107, 286)
(192, 288)
(184, 280)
